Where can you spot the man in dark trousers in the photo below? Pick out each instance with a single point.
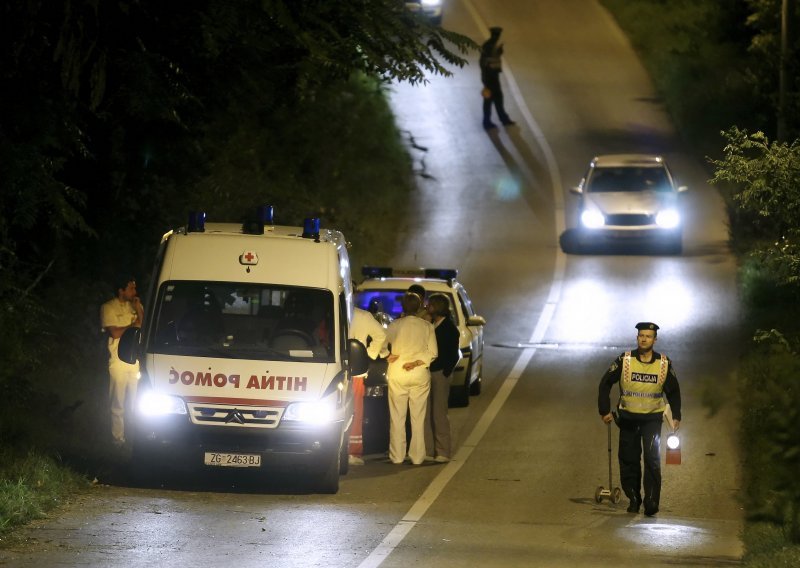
(491, 67)
(645, 378)
(437, 424)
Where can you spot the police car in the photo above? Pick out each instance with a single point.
(381, 292)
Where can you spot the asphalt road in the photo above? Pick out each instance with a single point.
(531, 448)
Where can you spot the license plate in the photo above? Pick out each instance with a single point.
(218, 459)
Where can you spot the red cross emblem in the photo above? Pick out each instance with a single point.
(248, 257)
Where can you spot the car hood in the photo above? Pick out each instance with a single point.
(631, 202)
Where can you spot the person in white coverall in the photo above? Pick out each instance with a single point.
(412, 343)
(368, 331)
(117, 315)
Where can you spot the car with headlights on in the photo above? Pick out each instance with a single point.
(628, 198)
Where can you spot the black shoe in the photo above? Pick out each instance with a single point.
(634, 506)
(489, 125)
(508, 123)
(650, 508)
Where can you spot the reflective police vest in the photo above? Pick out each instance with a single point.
(642, 385)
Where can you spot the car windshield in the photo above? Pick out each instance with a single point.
(244, 321)
(627, 178)
(388, 302)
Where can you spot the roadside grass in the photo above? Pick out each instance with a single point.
(694, 52)
(32, 484)
(359, 178)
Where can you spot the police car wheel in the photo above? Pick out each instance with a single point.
(459, 395)
(475, 387)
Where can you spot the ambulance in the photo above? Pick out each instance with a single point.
(244, 353)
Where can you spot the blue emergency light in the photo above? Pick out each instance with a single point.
(388, 272)
(311, 228)
(197, 222)
(266, 214)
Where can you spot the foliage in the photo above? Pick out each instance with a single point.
(765, 20)
(772, 439)
(30, 485)
(695, 52)
(766, 178)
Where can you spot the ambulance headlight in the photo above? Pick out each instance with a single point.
(314, 412)
(668, 219)
(156, 404)
(592, 219)
(673, 442)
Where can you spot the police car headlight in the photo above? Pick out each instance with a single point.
(316, 412)
(431, 3)
(668, 219)
(592, 219)
(155, 404)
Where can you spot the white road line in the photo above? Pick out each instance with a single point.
(432, 492)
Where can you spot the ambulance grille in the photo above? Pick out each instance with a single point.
(235, 416)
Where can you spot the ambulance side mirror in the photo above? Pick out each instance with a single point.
(358, 357)
(128, 348)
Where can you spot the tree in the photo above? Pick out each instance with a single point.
(766, 178)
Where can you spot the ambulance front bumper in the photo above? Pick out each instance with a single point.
(177, 443)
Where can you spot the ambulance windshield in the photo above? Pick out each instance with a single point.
(244, 321)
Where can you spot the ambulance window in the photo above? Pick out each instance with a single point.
(244, 321)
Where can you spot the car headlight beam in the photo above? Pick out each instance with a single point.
(592, 219)
(157, 404)
(668, 219)
(312, 412)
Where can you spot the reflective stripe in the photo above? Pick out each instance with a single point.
(641, 390)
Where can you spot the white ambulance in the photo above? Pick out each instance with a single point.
(244, 352)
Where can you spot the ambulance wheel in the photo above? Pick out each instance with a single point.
(328, 481)
(616, 495)
(344, 455)
(598, 494)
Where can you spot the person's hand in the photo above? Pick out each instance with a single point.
(607, 418)
(675, 425)
(392, 358)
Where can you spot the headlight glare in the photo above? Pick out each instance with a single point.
(314, 412)
(592, 219)
(156, 404)
(668, 219)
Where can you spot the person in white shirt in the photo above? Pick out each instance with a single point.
(368, 331)
(413, 346)
(117, 315)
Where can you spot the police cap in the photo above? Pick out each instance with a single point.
(646, 325)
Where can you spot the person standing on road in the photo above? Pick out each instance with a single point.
(491, 66)
(645, 378)
(412, 344)
(117, 315)
(437, 423)
(368, 331)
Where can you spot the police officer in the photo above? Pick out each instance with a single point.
(491, 66)
(645, 378)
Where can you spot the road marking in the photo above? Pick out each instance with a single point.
(432, 492)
